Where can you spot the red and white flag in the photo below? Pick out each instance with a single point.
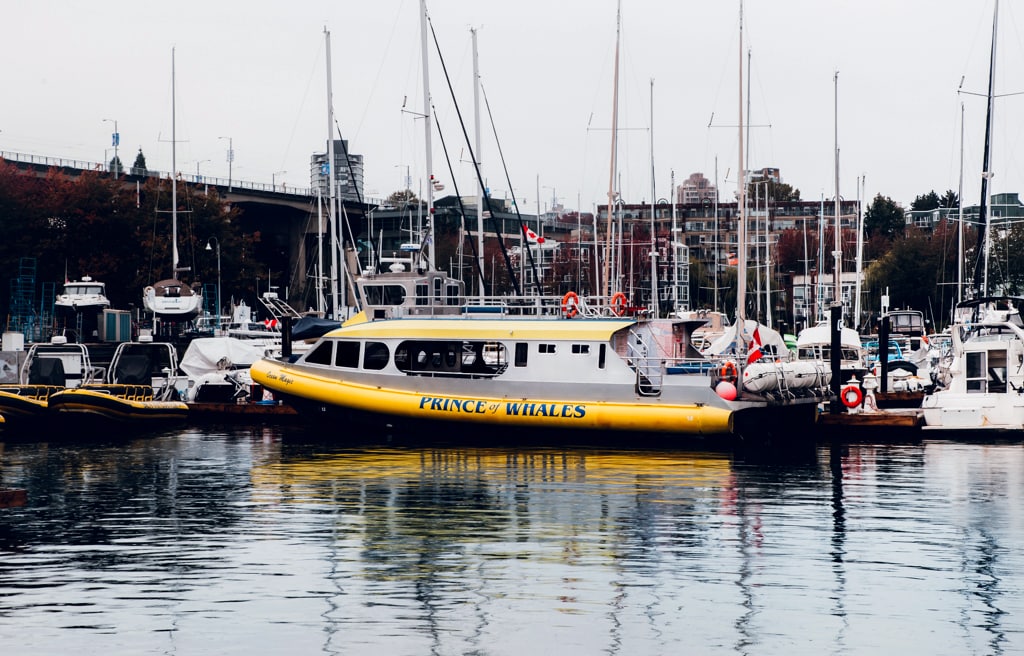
(531, 236)
(754, 350)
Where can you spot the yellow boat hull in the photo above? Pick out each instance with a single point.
(548, 413)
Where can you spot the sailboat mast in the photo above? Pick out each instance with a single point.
(477, 156)
(654, 241)
(741, 226)
(174, 178)
(960, 214)
(837, 253)
(332, 212)
(981, 265)
(615, 133)
(427, 129)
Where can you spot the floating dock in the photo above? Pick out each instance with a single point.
(903, 422)
(258, 412)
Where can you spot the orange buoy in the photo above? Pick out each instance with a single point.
(619, 302)
(852, 396)
(729, 372)
(570, 305)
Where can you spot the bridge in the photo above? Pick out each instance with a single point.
(283, 214)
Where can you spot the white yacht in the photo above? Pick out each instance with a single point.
(986, 377)
(79, 305)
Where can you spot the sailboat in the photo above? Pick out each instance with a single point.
(986, 375)
(171, 299)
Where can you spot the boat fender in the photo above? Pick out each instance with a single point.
(619, 303)
(852, 396)
(728, 372)
(570, 305)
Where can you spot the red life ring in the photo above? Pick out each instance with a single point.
(852, 396)
(570, 305)
(619, 302)
(729, 372)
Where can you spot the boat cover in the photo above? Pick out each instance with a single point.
(206, 355)
(313, 327)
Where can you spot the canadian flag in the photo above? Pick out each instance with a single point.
(754, 350)
(531, 236)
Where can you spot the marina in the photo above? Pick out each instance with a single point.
(715, 417)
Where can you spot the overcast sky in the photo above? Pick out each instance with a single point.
(255, 71)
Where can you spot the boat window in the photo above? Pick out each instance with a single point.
(975, 372)
(522, 349)
(450, 358)
(581, 348)
(384, 294)
(375, 355)
(454, 297)
(320, 354)
(601, 356)
(347, 354)
(547, 348)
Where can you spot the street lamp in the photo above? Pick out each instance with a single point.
(273, 178)
(210, 248)
(199, 178)
(231, 159)
(115, 140)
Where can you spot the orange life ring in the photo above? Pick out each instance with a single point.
(619, 302)
(852, 396)
(729, 372)
(570, 305)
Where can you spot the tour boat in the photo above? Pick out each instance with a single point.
(535, 364)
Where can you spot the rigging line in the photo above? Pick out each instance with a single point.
(508, 181)
(477, 257)
(476, 167)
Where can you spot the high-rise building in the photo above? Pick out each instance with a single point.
(348, 172)
(695, 189)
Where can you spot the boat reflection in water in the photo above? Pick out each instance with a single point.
(268, 540)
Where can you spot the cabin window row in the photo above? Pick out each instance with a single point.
(418, 357)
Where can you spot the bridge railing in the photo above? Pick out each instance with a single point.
(60, 162)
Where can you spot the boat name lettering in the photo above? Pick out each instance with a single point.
(480, 407)
(473, 406)
(545, 410)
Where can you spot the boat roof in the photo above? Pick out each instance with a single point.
(462, 328)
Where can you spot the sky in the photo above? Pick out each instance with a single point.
(886, 81)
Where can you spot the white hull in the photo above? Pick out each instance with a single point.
(172, 300)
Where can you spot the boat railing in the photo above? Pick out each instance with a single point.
(539, 306)
(648, 370)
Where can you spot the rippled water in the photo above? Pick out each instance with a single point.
(267, 541)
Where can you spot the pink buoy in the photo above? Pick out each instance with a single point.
(726, 390)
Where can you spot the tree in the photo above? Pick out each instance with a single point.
(884, 217)
(950, 200)
(929, 201)
(139, 167)
(778, 192)
(115, 166)
(402, 198)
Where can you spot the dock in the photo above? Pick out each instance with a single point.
(261, 411)
(893, 422)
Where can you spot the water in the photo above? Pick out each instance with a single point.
(271, 541)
